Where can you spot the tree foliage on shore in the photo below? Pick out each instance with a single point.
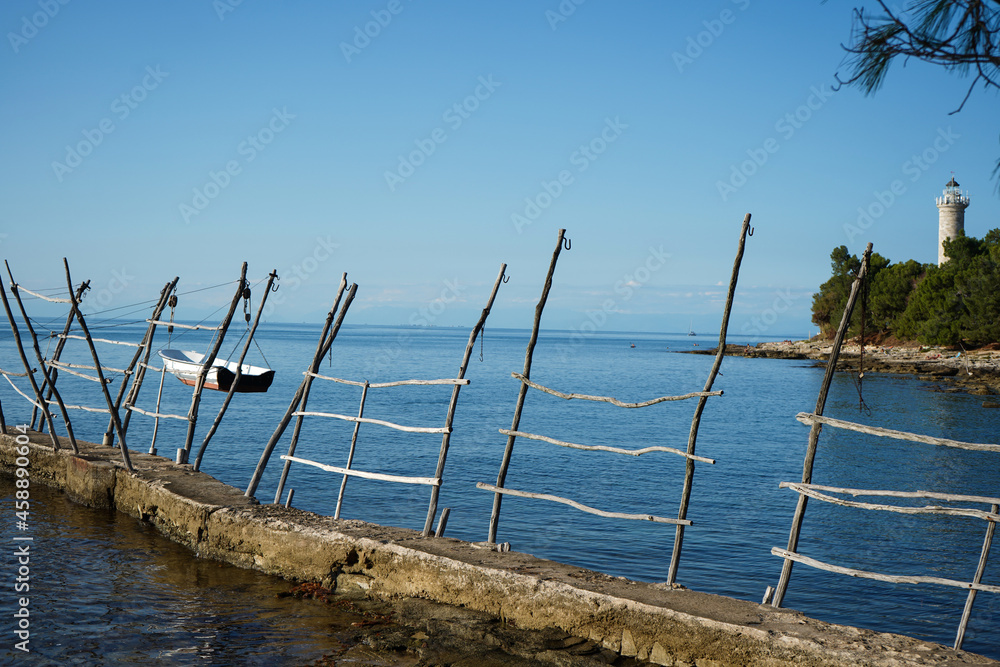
(957, 302)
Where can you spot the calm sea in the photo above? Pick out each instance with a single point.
(738, 511)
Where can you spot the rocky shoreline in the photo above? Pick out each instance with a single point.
(975, 372)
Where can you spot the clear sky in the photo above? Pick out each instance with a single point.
(416, 145)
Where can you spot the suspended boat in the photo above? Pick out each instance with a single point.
(186, 365)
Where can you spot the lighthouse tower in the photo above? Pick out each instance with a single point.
(951, 215)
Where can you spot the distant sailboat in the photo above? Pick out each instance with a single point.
(691, 330)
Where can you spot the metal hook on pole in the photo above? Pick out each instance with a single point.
(567, 243)
(750, 233)
(506, 279)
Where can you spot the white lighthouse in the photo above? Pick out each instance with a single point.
(951, 215)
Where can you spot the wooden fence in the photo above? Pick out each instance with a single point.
(127, 394)
(298, 409)
(806, 489)
(681, 521)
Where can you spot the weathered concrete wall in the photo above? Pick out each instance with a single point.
(666, 627)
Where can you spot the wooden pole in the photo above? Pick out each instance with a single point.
(239, 371)
(529, 351)
(452, 406)
(307, 384)
(3, 422)
(350, 454)
(60, 344)
(74, 304)
(296, 399)
(814, 431)
(144, 350)
(306, 381)
(156, 419)
(27, 367)
(207, 365)
(675, 557)
(967, 612)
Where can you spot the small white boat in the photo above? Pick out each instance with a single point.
(186, 365)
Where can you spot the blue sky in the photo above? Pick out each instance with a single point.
(417, 145)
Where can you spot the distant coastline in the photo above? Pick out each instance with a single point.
(974, 372)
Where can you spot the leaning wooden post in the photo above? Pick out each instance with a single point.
(239, 371)
(60, 344)
(283, 424)
(446, 438)
(143, 350)
(967, 612)
(814, 431)
(220, 335)
(306, 385)
(3, 422)
(675, 557)
(508, 450)
(43, 405)
(97, 365)
(350, 454)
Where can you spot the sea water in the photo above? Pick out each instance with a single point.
(737, 508)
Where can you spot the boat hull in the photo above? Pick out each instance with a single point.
(186, 366)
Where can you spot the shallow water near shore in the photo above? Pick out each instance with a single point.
(738, 511)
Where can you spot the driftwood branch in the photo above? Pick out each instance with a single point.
(603, 448)
(398, 383)
(890, 578)
(366, 420)
(150, 413)
(810, 418)
(86, 367)
(87, 409)
(614, 401)
(811, 491)
(13, 375)
(52, 299)
(579, 506)
(812, 446)
(675, 556)
(523, 390)
(100, 340)
(453, 406)
(184, 326)
(429, 481)
(28, 398)
(950, 497)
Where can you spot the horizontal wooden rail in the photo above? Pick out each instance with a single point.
(581, 507)
(155, 369)
(609, 399)
(84, 408)
(951, 497)
(92, 378)
(398, 383)
(603, 448)
(14, 386)
(183, 326)
(890, 578)
(52, 299)
(64, 365)
(154, 414)
(366, 420)
(14, 375)
(813, 492)
(810, 418)
(100, 340)
(429, 481)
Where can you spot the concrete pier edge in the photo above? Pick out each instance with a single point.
(682, 628)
